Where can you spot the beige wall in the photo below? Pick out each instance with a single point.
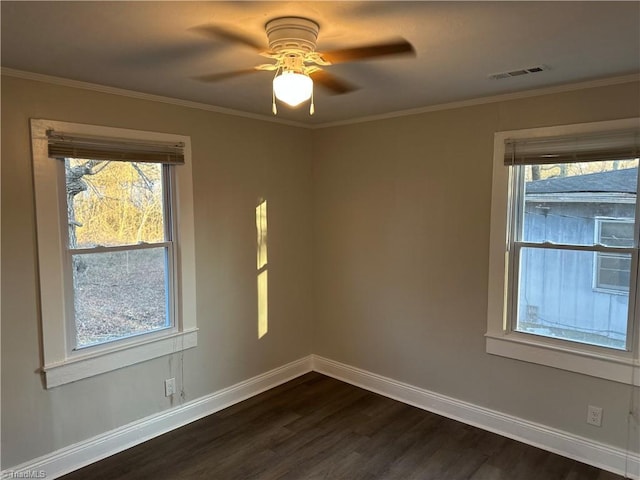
(235, 161)
(378, 253)
(401, 216)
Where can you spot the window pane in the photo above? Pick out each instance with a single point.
(114, 203)
(563, 201)
(616, 233)
(119, 294)
(556, 297)
(613, 271)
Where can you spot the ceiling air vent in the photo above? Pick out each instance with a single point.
(517, 73)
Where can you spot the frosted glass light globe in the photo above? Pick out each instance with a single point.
(292, 88)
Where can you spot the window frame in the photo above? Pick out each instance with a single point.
(61, 363)
(501, 338)
(168, 244)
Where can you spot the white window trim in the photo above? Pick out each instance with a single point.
(621, 367)
(60, 366)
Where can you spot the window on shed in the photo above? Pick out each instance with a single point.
(612, 270)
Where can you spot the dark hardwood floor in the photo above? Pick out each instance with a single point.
(316, 427)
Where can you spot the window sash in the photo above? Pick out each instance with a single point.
(169, 305)
(168, 207)
(515, 244)
(513, 285)
(170, 233)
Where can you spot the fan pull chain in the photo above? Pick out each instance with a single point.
(312, 108)
(274, 109)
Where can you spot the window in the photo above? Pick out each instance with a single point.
(611, 270)
(115, 241)
(559, 294)
(120, 249)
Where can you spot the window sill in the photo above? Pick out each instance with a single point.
(616, 368)
(104, 361)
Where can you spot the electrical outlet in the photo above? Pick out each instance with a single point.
(169, 387)
(594, 416)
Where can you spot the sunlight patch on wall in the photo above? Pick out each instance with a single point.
(263, 307)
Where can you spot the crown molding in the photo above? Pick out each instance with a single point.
(569, 87)
(66, 82)
(603, 82)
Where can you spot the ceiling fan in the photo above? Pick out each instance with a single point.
(297, 64)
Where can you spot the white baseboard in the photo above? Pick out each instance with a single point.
(603, 456)
(76, 456)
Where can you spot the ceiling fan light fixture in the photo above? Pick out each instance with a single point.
(292, 48)
(292, 88)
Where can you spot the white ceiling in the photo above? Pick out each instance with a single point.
(151, 47)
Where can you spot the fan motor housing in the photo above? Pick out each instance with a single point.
(294, 34)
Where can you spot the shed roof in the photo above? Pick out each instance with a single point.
(613, 181)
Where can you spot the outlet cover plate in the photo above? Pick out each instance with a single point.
(594, 416)
(169, 387)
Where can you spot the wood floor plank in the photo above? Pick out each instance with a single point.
(318, 428)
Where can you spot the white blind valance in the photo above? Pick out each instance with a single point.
(63, 145)
(613, 145)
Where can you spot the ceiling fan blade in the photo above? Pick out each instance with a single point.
(216, 31)
(331, 82)
(400, 47)
(215, 77)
